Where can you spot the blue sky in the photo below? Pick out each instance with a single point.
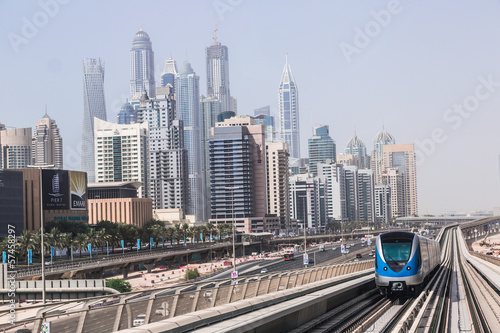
(359, 65)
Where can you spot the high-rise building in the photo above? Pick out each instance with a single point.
(321, 148)
(122, 153)
(382, 138)
(238, 173)
(218, 74)
(278, 183)
(266, 110)
(366, 193)
(347, 159)
(168, 156)
(289, 111)
(188, 110)
(142, 66)
(47, 143)
(356, 147)
(210, 110)
(268, 122)
(332, 175)
(15, 148)
(307, 201)
(351, 192)
(127, 114)
(402, 156)
(382, 205)
(169, 73)
(94, 105)
(393, 177)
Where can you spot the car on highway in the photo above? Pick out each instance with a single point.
(139, 320)
(359, 256)
(334, 248)
(263, 271)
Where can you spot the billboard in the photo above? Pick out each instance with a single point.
(78, 190)
(55, 189)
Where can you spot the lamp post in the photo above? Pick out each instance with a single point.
(232, 188)
(42, 249)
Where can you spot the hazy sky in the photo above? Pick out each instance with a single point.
(426, 70)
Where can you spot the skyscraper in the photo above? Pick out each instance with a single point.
(278, 187)
(366, 192)
(94, 105)
(47, 143)
(127, 114)
(15, 148)
(289, 111)
(122, 153)
(382, 205)
(169, 73)
(402, 156)
(356, 147)
(321, 148)
(188, 110)
(142, 66)
(167, 156)
(218, 74)
(332, 175)
(382, 138)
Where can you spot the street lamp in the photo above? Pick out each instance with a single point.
(232, 188)
(42, 250)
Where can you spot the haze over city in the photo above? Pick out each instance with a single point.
(427, 72)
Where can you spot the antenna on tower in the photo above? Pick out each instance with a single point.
(215, 35)
(286, 58)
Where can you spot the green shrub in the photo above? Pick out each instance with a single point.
(192, 274)
(119, 285)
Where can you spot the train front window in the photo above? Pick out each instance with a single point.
(396, 250)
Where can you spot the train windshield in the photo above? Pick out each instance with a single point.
(396, 250)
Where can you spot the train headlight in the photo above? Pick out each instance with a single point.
(385, 268)
(408, 268)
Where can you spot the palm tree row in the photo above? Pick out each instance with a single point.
(112, 234)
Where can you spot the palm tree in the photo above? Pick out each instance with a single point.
(210, 228)
(26, 242)
(80, 242)
(53, 239)
(185, 229)
(169, 234)
(67, 243)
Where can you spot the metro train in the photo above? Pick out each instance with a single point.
(404, 262)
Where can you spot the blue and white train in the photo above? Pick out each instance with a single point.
(404, 261)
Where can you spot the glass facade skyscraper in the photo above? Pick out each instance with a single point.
(188, 110)
(321, 148)
(356, 147)
(289, 111)
(142, 66)
(169, 73)
(94, 105)
(127, 114)
(218, 74)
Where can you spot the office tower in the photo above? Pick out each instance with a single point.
(169, 73)
(209, 109)
(188, 110)
(307, 201)
(382, 205)
(238, 176)
(351, 192)
(142, 66)
(393, 177)
(127, 114)
(233, 104)
(265, 110)
(289, 111)
(332, 175)
(382, 138)
(278, 193)
(94, 105)
(366, 193)
(321, 148)
(15, 148)
(268, 123)
(168, 157)
(218, 74)
(47, 143)
(122, 153)
(356, 147)
(402, 156)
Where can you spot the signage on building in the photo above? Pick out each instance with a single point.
(78, 190)
(55, 189)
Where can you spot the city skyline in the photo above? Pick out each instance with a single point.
(402, 76)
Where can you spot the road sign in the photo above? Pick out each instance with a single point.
(234, 274)
(306, 259)
(342, 248)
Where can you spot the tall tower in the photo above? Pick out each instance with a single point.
(356, 147)
(218, 74)
(278, 177)
(382, 138)
(169, 73)
(142, 66)
(321, 148)
(94, 105)
(188, 110)
(47, 143)
(289, 111)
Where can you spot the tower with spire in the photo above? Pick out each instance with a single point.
(47, 143)
(289, 111)
(381, 139)
(142, 67)
(217, 59)
(356, 147)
